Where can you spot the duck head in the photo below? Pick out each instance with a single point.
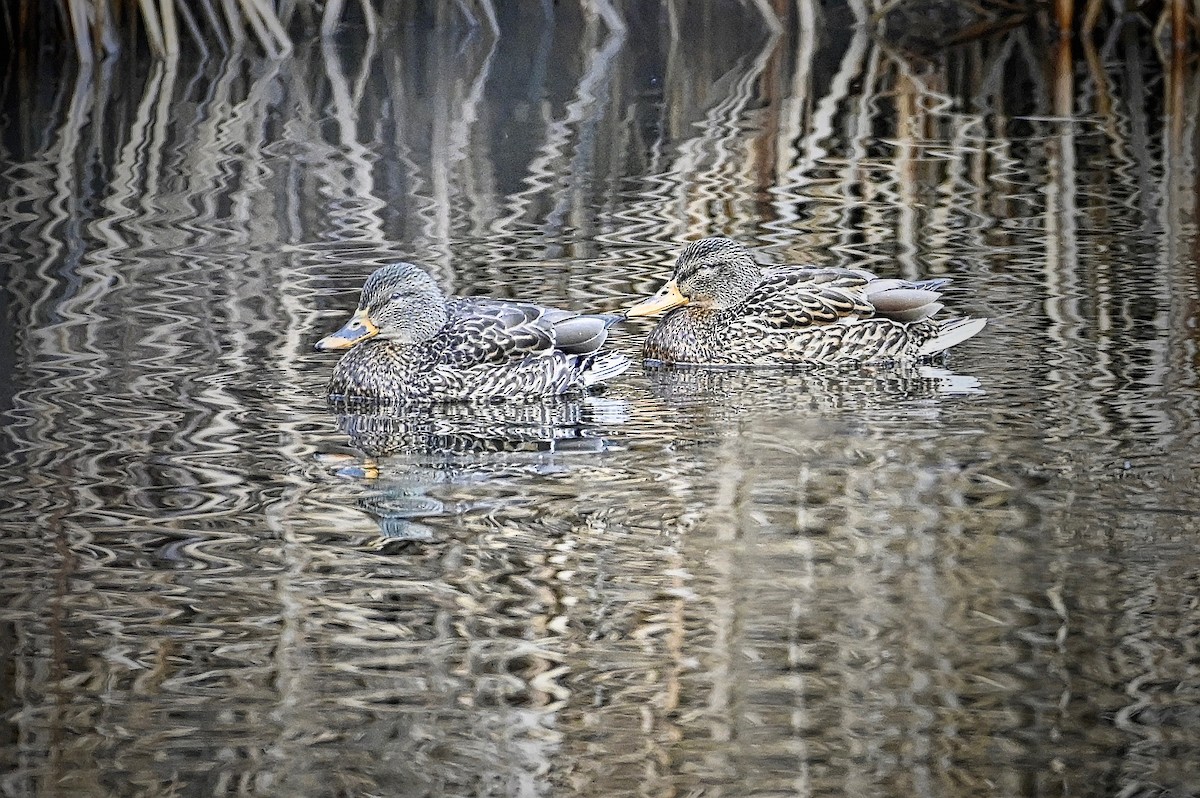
(713, 273)
(399, 303)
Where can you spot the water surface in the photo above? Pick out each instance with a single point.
(978, 578)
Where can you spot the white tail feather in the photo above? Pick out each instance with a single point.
(950, 334)
(605, 367)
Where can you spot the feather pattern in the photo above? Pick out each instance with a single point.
(728, 310)
(432, 348)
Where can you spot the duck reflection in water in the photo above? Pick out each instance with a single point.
(889, 387)
(415, 460)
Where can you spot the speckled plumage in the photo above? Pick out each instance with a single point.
(728, 310)
(426, 347)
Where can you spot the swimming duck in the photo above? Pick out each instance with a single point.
(409, 342)
(726, 309)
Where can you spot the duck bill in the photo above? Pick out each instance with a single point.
(359, 328)
(667, 297)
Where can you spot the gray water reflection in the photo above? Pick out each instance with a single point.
(977, 579)
(413, 453)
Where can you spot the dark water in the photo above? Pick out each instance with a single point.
(976, 580)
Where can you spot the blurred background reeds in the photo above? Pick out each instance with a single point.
(95, 29)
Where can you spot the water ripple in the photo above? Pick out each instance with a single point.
(965, 578)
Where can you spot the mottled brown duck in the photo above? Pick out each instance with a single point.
(723, 308)
(409, 342)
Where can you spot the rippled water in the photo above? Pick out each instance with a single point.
(975, 579)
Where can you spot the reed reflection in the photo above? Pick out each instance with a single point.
(772, 582)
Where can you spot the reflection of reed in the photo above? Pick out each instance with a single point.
(741, 587)
(362, 205)
(94, 26)
(547, 175)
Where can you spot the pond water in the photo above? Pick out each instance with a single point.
(976, 578)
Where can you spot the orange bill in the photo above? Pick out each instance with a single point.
(667, 297)
(359, 328)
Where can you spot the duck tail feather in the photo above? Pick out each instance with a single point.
(952, 333)
(602, 368)
(881, 285)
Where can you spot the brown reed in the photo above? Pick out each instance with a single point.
(97, 29)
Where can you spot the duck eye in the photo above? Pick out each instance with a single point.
(395, 296)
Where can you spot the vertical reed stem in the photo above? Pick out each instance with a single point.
(281, 44)
(83, 43)
(331, 17)
(1176, 97)
(1064, 13)
(170, 28)
(153, 27)
(234, 21)
(193, 27)
(372, 27)
(214, 22)
(251, 12)
(1179, 24)
(105, 30)
(1091, 16)
(1064, 79)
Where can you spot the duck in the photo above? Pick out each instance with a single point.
(409, 342)
(723, 309)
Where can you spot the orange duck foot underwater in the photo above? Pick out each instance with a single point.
(408, 342)
(723, 308)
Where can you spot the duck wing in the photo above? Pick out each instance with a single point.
(803, 297)
(905, 301)
(583, 333)
(796, 298)
(482, 331)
